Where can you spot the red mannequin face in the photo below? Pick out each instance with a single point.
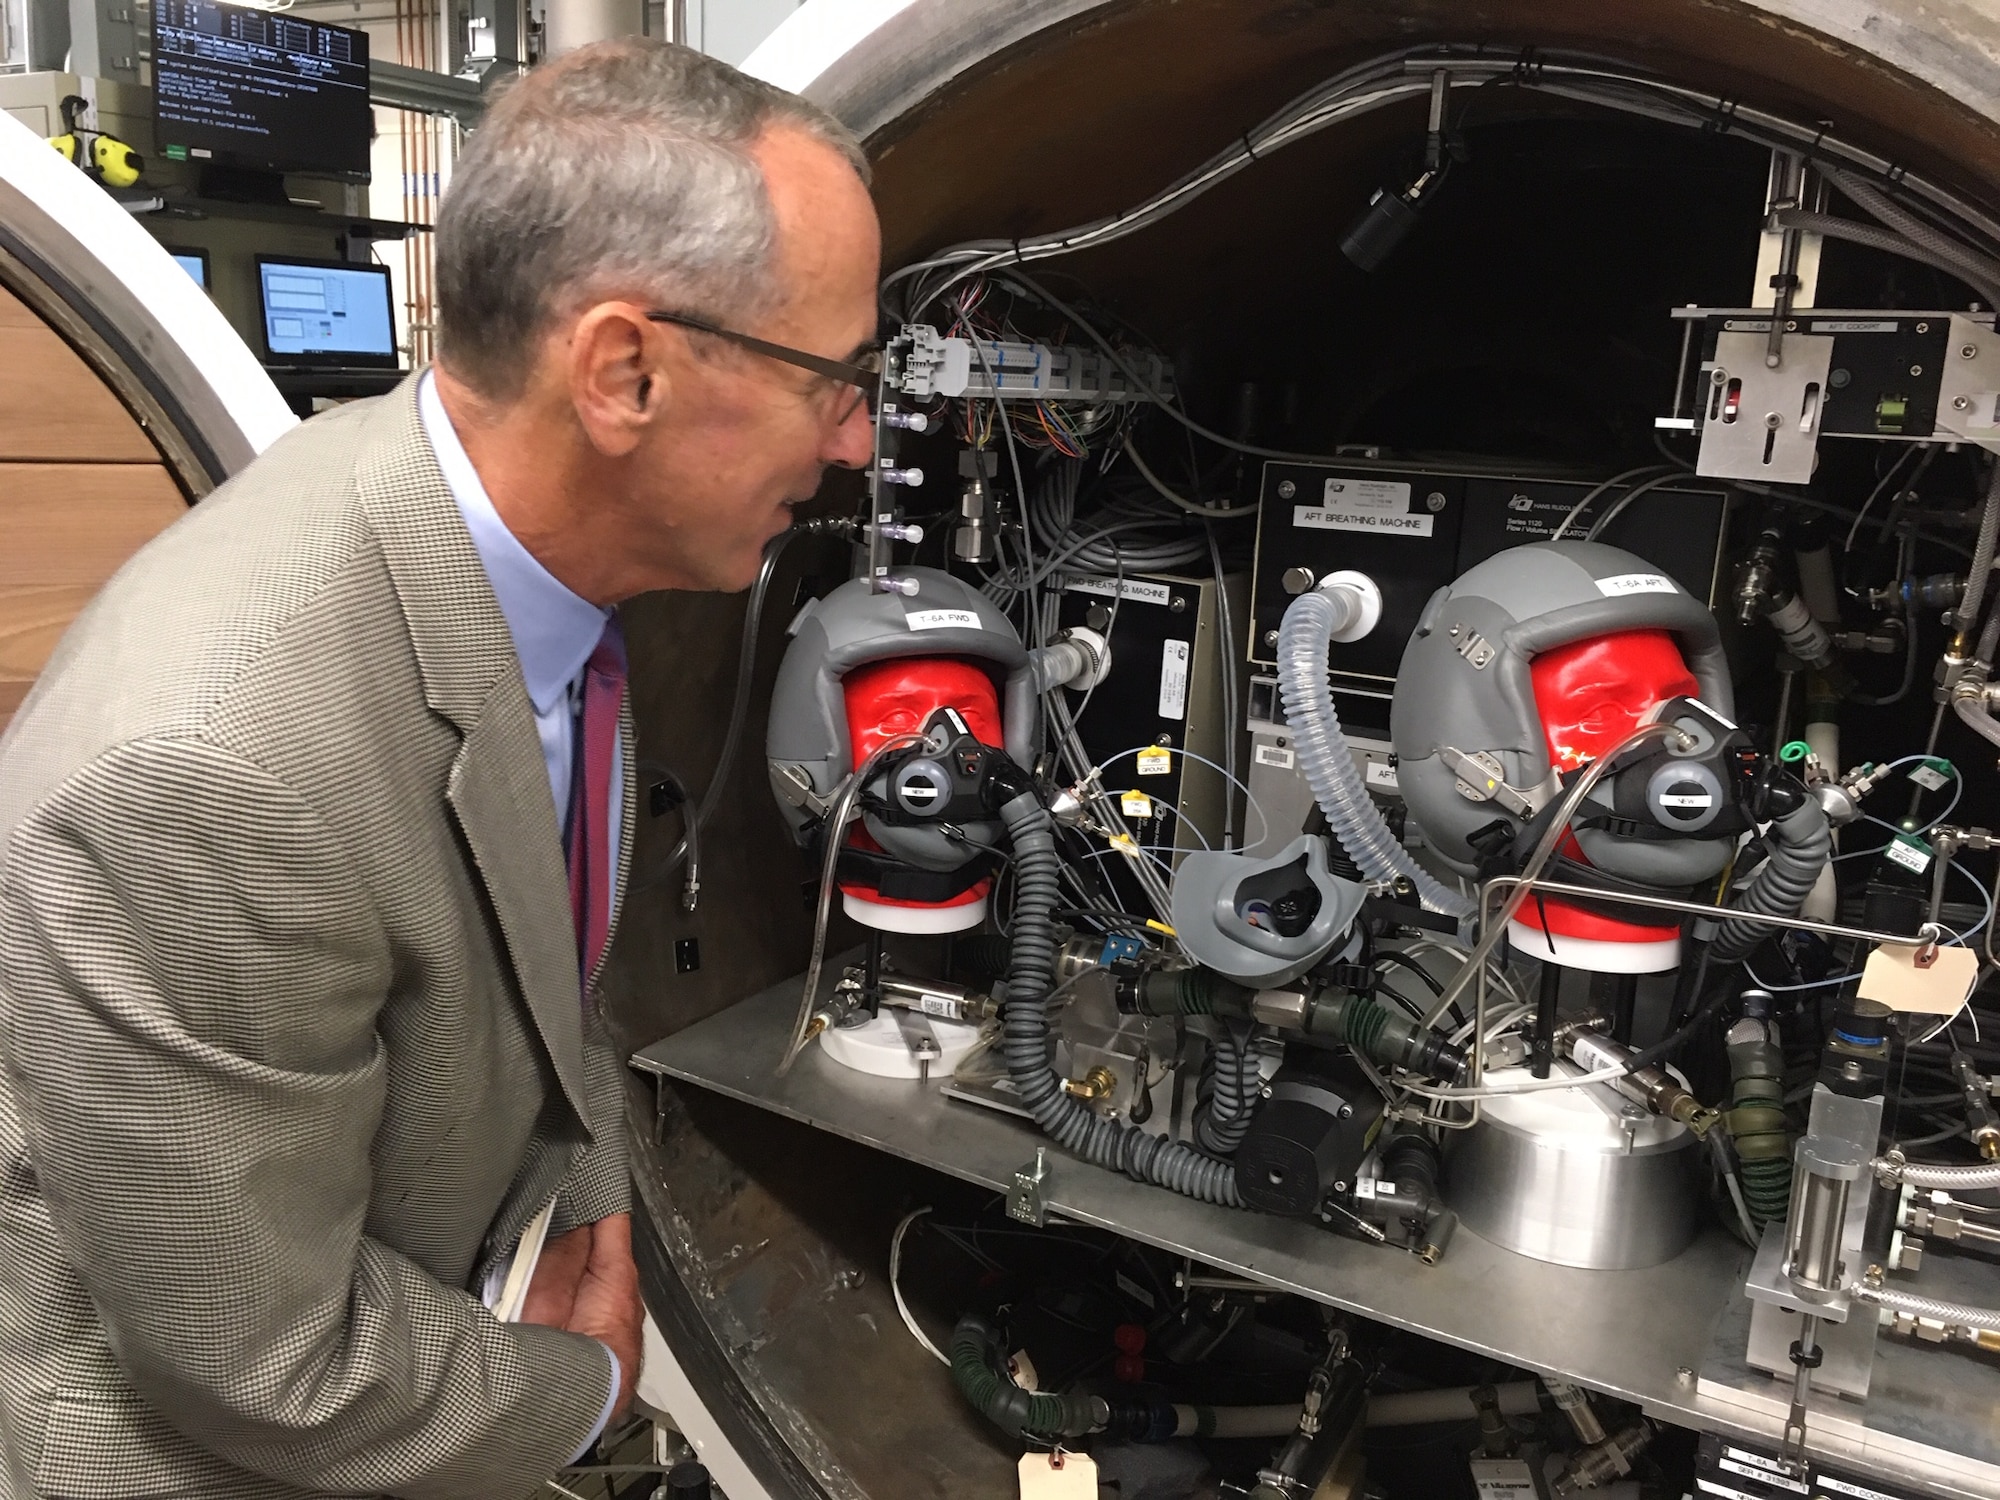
(1591, 694)
(888, 698)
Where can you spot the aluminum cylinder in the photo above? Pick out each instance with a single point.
(1580, 1177)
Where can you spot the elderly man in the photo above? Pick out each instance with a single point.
(316, 827)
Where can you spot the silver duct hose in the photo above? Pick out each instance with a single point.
(1024, 1031)
(1981, 574)
(1975, 269)
(1328, 763)
(1801, 844)
(1973, 274)
(1958, 1313)
(1936, 1175)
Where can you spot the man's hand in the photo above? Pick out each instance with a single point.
(586, 1282)
(552, 1293)
(607, 1305)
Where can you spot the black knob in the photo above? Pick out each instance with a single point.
(687, 1480)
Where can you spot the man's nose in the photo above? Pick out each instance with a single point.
(852, 443)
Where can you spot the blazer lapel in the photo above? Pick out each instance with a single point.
(499, 786)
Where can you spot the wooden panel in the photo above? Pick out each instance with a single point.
(52, 405)
(64, 530)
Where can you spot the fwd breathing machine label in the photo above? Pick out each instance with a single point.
(1136, 589)
(1374, 505)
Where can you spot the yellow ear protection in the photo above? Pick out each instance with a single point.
(107, 159)
(118, 165)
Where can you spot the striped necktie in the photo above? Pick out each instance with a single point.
(587, 840)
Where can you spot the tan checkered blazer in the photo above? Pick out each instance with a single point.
(292, 1036)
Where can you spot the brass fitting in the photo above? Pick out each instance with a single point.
(1099, 1084)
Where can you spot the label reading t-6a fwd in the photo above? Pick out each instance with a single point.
(1377, 505)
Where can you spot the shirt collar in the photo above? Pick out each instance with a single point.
(554, 629)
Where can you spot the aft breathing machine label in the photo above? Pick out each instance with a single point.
(1375, 505)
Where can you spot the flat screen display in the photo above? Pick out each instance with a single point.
(265, 90)
(194, 262)
(326, 314)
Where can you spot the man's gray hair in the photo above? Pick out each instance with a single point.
(620, 169)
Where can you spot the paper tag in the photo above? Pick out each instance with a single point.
(1910, 853)
(1382, 774)
(1136, 805)
(1929, 777)
(1891, 976)
(1274, 755)
(1621, 584)
(1173, 679)
(1156, 761)
(943, 619)
(1042, 1480)
(1122, 588)
(945, 1007)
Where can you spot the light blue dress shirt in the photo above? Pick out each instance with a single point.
(554, 631)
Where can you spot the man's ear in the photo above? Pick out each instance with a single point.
(618, 383)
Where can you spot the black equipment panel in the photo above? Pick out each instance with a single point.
(1400, 527)
(1414, 530)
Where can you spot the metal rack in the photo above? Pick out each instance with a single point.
(1661, 1337)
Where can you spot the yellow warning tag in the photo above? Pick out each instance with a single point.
(1135, 805)
(1058, 1476)
(1155, 760)
(1893, 977)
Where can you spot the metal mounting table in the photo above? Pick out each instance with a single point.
(1658, 1337)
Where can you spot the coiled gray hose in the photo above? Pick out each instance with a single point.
(1024, 1032)
(1896, 244)
(1235, 1084)
(1801, 843)
(1896, 1300)
(1937, 1175)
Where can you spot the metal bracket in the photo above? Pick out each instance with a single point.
(1025, 1200)
(1481, 778)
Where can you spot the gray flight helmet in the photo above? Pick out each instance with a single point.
(1464, 683)
(806, 746)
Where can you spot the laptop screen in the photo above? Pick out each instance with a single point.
(326, 314)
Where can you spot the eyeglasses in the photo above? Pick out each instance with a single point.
(864, 373)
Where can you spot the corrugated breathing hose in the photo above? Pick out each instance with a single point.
(1801, 843)
(1756, 1121)
(1234, 1081)
(979, 1366)
(1024, 1029)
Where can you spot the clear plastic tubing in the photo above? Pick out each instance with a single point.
(1303, 638)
